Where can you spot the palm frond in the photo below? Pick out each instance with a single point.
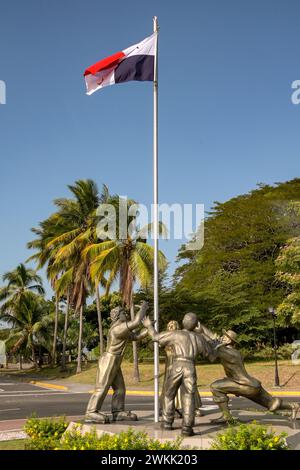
(64, 282)
(63, 238)
(96, 249)
(141, 268)
(147, 229)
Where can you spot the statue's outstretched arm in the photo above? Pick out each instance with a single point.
(133, 324)
(150, 328)
(206, 332)
(163, 338)
(141, 335)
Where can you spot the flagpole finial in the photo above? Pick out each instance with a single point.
(155, 24)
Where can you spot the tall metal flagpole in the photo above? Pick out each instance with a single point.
(155, 223)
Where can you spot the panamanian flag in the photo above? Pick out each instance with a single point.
(134, 63)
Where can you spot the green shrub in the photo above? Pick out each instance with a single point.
(267, 353)
(285, 351)
(126, 440)
(51, 434)
(44, 433)
(42, 443)
(249, 437)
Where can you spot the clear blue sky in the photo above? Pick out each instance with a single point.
(226, 121)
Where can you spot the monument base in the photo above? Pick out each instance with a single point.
(205, 431)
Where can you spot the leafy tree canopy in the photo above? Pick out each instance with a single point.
(231, 281)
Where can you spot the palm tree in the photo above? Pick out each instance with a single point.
(130, 260)
(61, 239)
(31, 324)
(77, 216)
(48, 229)
(67, 312)
(95, 292)
(19, 283)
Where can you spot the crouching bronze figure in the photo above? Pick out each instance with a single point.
(239, 383)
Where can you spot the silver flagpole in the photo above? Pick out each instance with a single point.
(155, 223)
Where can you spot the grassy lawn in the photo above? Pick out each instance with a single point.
(263, 371)
(207, 373)
(16, 444)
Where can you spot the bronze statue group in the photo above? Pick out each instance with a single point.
(179, 392)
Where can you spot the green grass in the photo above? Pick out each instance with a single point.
(53, 373)
(207, 373)
(46, 372)
(16, 444)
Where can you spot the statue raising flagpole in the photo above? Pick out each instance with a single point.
(138, 62)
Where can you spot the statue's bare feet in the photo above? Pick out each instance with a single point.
(124, 416)
(96, 417)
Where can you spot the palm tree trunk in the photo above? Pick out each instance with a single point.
(63, 359)
(99, 320)
(78, 370)
(55, 331)
(20, 362)
(136, 371)
(33, 357)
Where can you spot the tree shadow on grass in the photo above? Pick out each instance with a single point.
(289, 379)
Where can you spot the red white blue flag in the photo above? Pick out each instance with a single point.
(134, 63)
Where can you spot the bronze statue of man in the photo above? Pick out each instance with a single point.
(109, 373)
(187, 345)
(238, 382)
(169, 350)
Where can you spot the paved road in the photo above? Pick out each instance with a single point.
(19, 400)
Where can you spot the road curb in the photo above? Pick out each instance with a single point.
(47, 385)
(150, 393)
(202, 393)
(206, 394)
(284, 394)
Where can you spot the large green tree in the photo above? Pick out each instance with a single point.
(288, 273)
(231, 280)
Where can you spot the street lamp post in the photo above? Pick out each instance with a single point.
(273, 314)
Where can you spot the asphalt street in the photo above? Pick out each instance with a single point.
(20, 400)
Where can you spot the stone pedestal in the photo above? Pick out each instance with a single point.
(204, 429)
